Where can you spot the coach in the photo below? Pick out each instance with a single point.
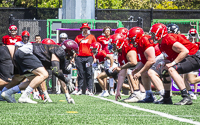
(84, 58)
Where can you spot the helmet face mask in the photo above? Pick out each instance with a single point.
(173, 28)
(158, 31)
(70, 47)
(12, 30)
(63, 37)
(25, 36)
(94, 50)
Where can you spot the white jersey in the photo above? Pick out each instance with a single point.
(27, 48)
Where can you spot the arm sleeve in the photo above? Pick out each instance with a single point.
(57, 72)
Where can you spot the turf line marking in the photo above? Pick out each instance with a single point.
(152, 111)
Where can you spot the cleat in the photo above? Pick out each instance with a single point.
(105, 94)
(131, 95)
(1, 98)
(193, 96)
(148, 99)
(26, 100)
(74, 92)
(158, 99)
(164, 101)
(112, 93)
(89, 93)
(42, 97)
(184, 101)
(101, 93)
(8, 97)
(48, 100)
(134, 98)
(79, 92)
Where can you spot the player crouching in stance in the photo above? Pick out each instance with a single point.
(100, 56)
(35, 58)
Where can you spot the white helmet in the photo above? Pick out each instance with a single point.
(63, 35)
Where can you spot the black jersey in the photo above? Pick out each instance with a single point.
(44, 52)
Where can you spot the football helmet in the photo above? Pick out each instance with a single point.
(116, 42)
(173, 28)
(158, 31)
(12, 29)
(70, 47)
(63, 37)
(25, 36)
(134, 35)
(95, 47)
(48, 41)
(122, 31)
(193, 35)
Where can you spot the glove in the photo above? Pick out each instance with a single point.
(70, 100)
(71, 86)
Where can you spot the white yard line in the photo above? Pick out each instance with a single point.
(152, 111)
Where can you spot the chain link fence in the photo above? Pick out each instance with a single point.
(24, 18)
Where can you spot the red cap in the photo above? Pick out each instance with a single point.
(85, 25)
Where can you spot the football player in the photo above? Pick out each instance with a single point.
(191, 77)
(43, 57)
(182, 54)
(127, 57)
(12, 38)
(149, 55)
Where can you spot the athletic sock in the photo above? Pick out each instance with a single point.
(184, 93)
(15, 89)
(162, 92)
(27, 92)
(4, 89)
(167, 94)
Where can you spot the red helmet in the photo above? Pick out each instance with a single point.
(70, 47)
(12, 27)
(25, 33)
(135, 34)
(122, 31)
(48, 41)
(25, 39)
(158, 31)
(193, 35)
(117, 40)
(95, 47)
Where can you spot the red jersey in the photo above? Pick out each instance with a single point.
(122, 56)
(169, 40)
(84, 44)
(104, 42)
(8, 40)
(101, 56)
(144, 43)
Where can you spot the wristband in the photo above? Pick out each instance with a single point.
(173, 63)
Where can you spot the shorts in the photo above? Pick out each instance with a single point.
(113, 74)
(159, 59)
(190, 63)
(26, 62)
(6, 64)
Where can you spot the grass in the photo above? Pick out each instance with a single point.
(90, 110)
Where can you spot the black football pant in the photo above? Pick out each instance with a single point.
(84, 69)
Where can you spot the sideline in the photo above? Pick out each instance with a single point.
(152, 111)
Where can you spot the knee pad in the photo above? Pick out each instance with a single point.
(165, 77)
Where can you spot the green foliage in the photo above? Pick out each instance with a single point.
(110, 4)
(31, 3)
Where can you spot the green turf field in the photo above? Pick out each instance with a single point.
(95, 111)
